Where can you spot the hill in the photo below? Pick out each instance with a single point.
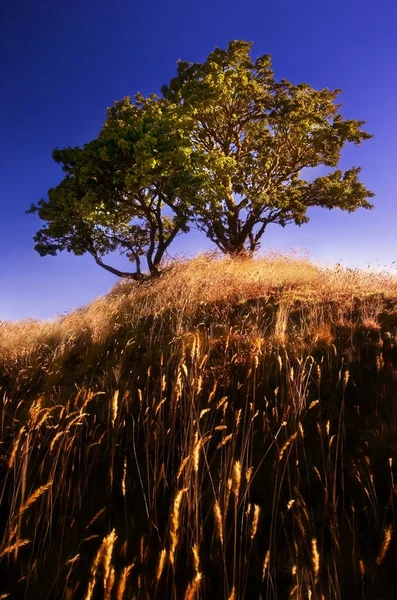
(227, 430)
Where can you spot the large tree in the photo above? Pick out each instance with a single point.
(129, 191)
(253, 137)
(225, 148)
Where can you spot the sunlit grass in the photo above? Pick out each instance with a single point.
(228, 430)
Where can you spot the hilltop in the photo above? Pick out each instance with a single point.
(225, 430)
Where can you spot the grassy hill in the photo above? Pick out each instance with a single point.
(228, 431)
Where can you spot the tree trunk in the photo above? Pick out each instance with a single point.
(239, 252)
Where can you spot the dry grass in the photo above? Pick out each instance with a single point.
(228, 430)
(206, 280)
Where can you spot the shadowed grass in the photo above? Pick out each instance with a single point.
(228, 430)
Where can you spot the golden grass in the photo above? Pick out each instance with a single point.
(207, 280)
(34, 497)
(228, 430)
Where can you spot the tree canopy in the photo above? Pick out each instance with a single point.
(128, 191)
(223, 148)
(254, 137)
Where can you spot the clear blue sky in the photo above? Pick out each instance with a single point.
(63, 63)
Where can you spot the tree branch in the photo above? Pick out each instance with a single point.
(137, 276)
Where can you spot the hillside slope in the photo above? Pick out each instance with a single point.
(228, 430)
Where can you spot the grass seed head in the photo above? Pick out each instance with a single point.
(387, 535)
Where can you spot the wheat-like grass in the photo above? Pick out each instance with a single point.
(233, 594)
(191, 592)
(15, 447)
(255, 520)
(123, 481)
(108, 577)
(265, 564)
(233, 351)
(115, 406)
(94, 569)
(13, 547)
(218, 521)
(225, 440)
(388, 532)
(362, 567)
(236, 480)
(123, 581)
(315, 558)
(175, 524)
(104, 557)
(286, 445)
(34, 496)
(196, 452)
(182, 466)
(161, 564)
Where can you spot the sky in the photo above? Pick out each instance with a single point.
(63, 63)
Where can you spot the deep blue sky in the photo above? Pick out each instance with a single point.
(62, 63)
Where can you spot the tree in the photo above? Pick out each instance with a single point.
(224, 148)
(127, 191)
(253, 136)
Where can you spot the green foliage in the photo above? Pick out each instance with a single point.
(254, 136)
(123, 191)
(224, 148)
